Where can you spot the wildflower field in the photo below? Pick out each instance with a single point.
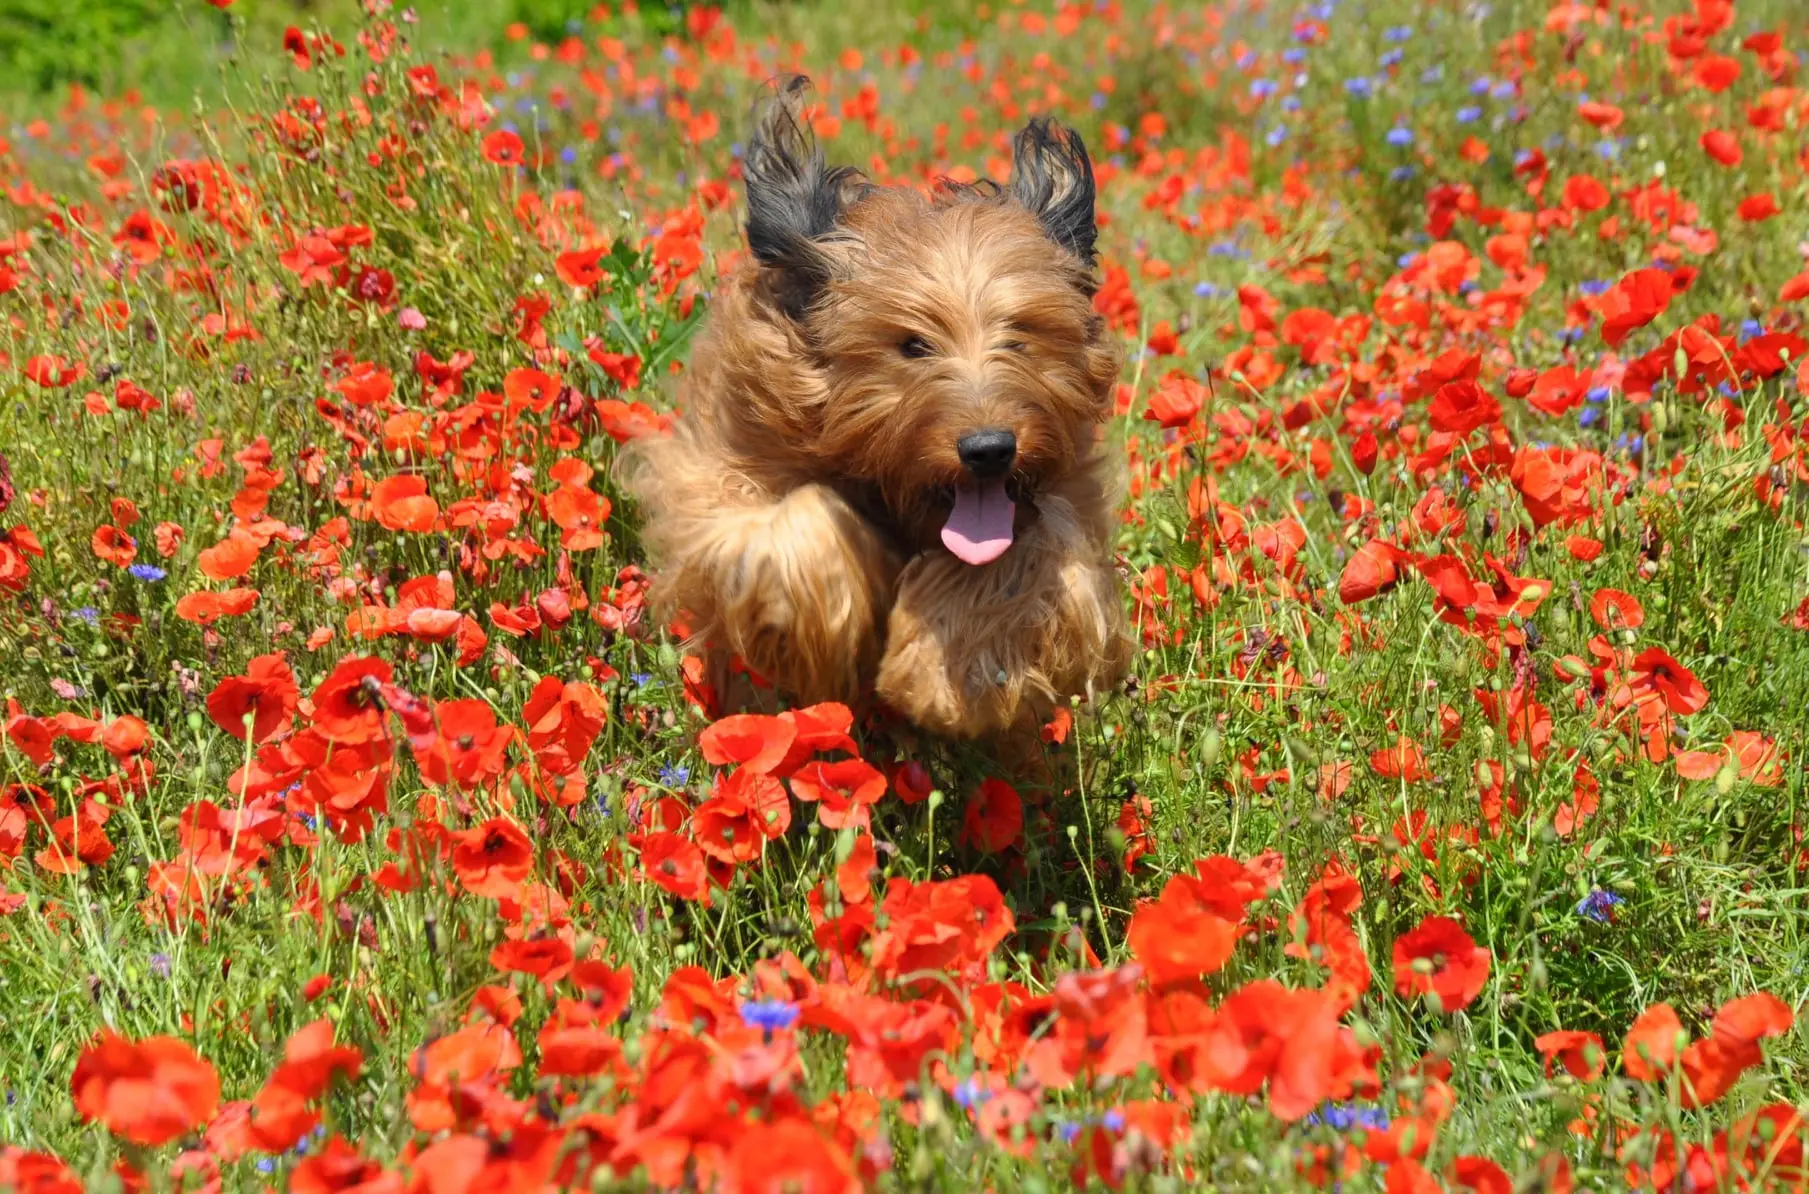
(362, 828)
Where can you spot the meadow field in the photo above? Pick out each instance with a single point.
(362, 828)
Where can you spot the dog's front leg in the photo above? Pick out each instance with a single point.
(977, 650)
(798, 586)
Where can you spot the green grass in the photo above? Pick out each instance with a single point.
(1240, 697)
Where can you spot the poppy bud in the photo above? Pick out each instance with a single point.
(1363, 453)
(1519, 382)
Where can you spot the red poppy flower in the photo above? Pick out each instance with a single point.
(1290, 1039)
(1372, 570)
(1723, 146)
(1177, 401)
(1439, 958)
(1755, 208)
(37, 1173)
(676, 864)
(113, 546)
(1584, 193)
(492, 859)
(205, 608)
(790, 1156)
(400, 503)
(1717, 72)
(266, 693)
(504, 148)
(842, 791)
(548, 959)
(756, 741)
(1655, 670)
(530, 389)
(747, 811)
(993, 819)
(1404, 760)
(148, 1092)
(1460, 407)
(563, 719)
(1615, 610)
(949, 926)
(1580, 1053)
(1633, 302)
(623, 368)
(1481, 1175)
(580, 513)
(339, 1168)
(581, 267)
(348, 706)
(1184, 934)
(230, 558)
(470, 749)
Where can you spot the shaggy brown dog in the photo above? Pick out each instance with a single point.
(888, 471)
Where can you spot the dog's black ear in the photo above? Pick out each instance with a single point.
(794, 200)
(1053, 177)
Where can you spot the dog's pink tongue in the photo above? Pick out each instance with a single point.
(978, 529)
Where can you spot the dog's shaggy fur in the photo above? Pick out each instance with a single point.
(797, 512)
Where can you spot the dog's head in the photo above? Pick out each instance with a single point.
(963, 365)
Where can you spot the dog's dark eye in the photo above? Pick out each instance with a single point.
(1015, 346)
(915, 347)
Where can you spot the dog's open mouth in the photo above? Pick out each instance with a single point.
(979, 527)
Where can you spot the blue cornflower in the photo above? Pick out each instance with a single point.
(1097, 100)
(769, 1015)
(1276, 135)
(1293, 54)
(147, 572)
(641, 679)
(1597, 394)
(1342, 1117)
(160, 965)
(1262, 88)
(1593, 287)
(568, 155)
(1469, 115)
(1113, 1120)
(1362, 87)
(970, 1094)
(1068, 1131)
(1570, 335)
(1590, 417)
(1406, 260)
(675, 775)
(1397, 33)
(87, 613)
(1480, 85)
(1393, 57)
(1400, 136)
(1503, 90)
(1608, 150)
(1290, 103)
(1400, 174)
(1205, 290)
(1433, 73)
(1598, 905)
(1750, 328)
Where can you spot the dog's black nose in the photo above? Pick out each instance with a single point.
(987, 454)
